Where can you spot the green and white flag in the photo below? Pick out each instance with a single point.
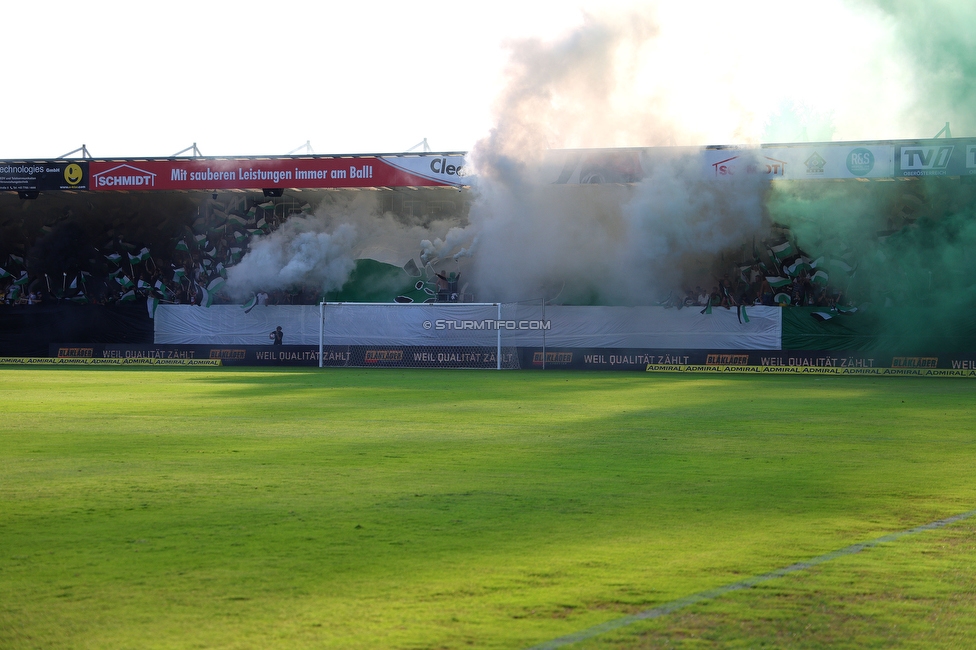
(236, 220)
(783, 250)
(126, 282)
(846, 310)
(142, 284)
(215, 285)
(16, 259)
(115, 258)
(22, 280)
(200, 240)
(251, 211)
(267, 205)
(206, 298)
(820, 277)
(837, 264)
(182, 247)
(306, 208)
(782, 299)
(81, 299)
(151, 305)
(163, 290)
(255, 232)
(240, 237)
(777, 282)
(263, 224)
(114, 274)
(221, 270)
(236, 254)
(4, 274)
(128, 296)
(797, 268)
(249, 305)
(15, 293)
(178, 275)
(821, 315)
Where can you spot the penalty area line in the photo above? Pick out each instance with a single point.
(711, 594)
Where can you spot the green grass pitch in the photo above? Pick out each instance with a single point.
(294, 508)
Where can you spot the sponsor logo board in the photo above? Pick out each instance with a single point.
(272, 173)
(42, 176)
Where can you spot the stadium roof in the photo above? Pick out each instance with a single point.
(880, 160)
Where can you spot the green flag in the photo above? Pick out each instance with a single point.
(4, 274)
(22, 280)
(782, 299)
(151, 304)
(128, 296)
(249, 305)
(182, 247)
(126, 282)
(777, 282)
(115, 258)
(820, 277)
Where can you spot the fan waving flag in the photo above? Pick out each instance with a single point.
(777, 282)
(782, 251)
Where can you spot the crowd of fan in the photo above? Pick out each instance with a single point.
(193, 270)
(794, 279)
(190, 271)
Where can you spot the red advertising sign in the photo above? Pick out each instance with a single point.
(270, 173)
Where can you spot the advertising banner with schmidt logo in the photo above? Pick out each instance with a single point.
(950, 158)
(123, 177)
(40, 176)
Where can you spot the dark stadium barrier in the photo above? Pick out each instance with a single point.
(28, 330)
(363, 356)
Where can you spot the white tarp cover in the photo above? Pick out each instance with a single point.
(476, 325)
(229, 325)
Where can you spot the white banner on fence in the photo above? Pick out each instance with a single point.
(759, 328)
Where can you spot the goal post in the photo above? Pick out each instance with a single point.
(435, 335)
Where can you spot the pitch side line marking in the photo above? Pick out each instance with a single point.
(711, 594)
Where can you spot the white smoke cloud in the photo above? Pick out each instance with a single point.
(320, 250)
(298, 253)
(615, 244)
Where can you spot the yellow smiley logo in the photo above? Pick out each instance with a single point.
(73, 174)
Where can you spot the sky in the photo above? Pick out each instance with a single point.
(264, 78)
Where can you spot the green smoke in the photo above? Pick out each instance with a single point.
(937, 43)
(910, 246)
